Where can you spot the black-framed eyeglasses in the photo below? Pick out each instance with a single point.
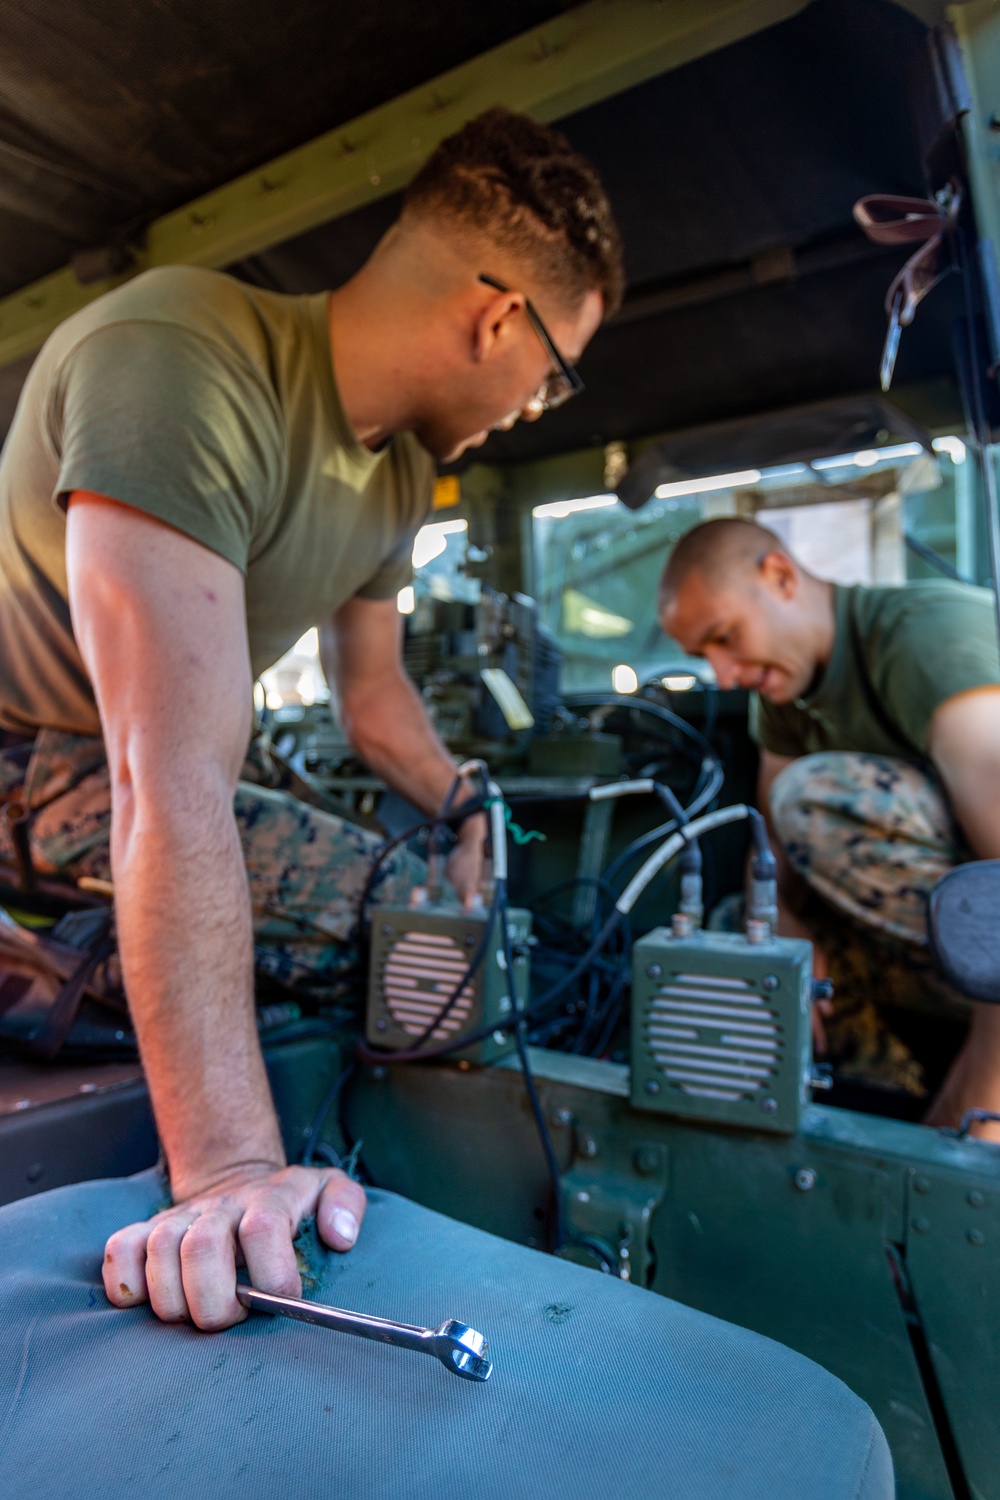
(565, 382)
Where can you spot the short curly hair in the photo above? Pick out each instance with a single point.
(525, 187)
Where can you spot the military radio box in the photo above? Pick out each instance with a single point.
(419, 955)
(721, 1028)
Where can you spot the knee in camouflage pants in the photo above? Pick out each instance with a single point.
(869, 834)
(306, 868)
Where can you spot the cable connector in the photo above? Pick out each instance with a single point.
(762, 907)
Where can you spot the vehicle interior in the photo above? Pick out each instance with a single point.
(744, 375)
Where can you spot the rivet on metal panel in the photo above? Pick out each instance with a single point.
(652, 1087)
(805, 1179)
(587, 1146)
(770, 982)
(921, 1185)
(653, 971)
(975, 1199)
(646, 1161)
(547, 49)
(920, 1224)
(769, 1106)
(381, 1024)
(561, 1117)
(379, 1072)
(975, 1237)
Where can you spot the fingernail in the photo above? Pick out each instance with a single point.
(345, 1224)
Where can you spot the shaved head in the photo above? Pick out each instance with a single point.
(732, 593)
(723, 551)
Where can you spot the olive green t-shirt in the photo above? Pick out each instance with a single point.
(212, 406)
(898, 654)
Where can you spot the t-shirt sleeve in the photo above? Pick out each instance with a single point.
(934, 651)
(776, 727)
(394, 574)
(162, 419)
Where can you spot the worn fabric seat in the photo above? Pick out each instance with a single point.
(599, 1390)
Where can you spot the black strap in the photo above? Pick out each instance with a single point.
(54, 1027)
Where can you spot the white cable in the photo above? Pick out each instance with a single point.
(662, 856)
(609, 789)
(498, 830)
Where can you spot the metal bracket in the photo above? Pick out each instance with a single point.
(609, 1199)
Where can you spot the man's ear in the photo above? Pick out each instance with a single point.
(779, 574)
(496, 324)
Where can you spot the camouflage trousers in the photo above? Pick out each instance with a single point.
(869, 834)
(306, 868)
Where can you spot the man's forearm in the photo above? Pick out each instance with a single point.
(185, 935)
(395, 738)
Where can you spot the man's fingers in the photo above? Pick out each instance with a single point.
(208, 1270)
(340, 1211)
(266, 1233)
(124, 1268)
(163, 1265)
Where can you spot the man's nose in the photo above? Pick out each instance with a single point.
(725, 669)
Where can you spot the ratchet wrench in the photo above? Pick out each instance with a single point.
(460, 1349)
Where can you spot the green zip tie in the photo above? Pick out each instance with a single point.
(517, 833)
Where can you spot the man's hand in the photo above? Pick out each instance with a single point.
(183, 1260)
(465, 862)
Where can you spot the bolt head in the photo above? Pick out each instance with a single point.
(652, 1086)
(654, 971)
(587, 1146)
(805, 1179)
(770, 982)
(975, 1199)
(769, 1106)
(646, 1161)
(387, 929)
(562, 1117)
(381, 1024)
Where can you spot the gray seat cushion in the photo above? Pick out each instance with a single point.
(600, 1389)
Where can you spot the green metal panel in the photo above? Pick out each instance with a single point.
(570, 62)
(806, 1265)
(952, 1250)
